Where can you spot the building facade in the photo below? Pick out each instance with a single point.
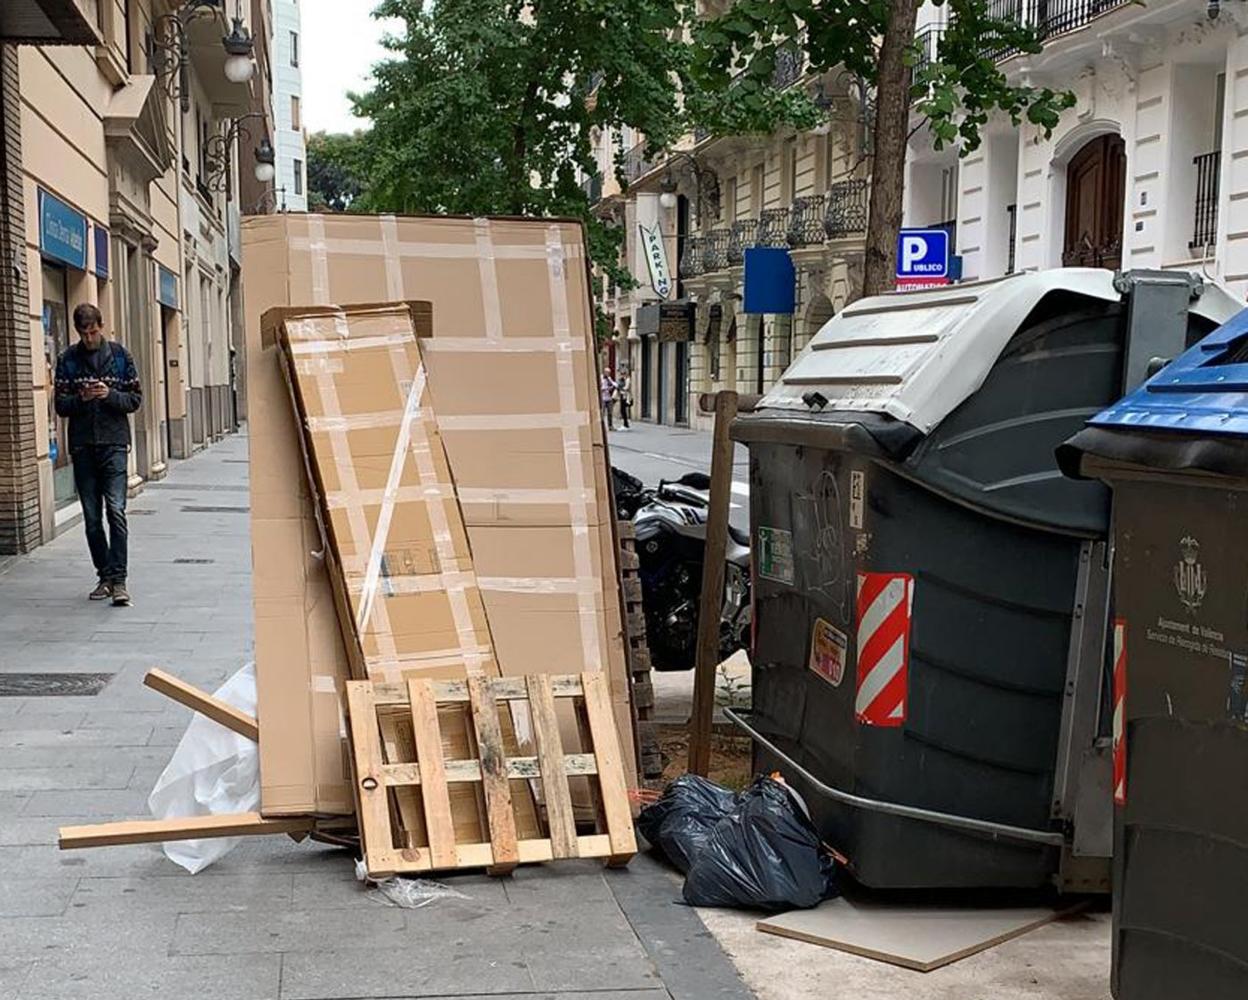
(712, 198)
(1147, 170)
(118, 177)
(292, 155)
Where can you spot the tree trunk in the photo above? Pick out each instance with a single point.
(888, 168)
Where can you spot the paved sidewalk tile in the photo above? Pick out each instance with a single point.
(273, 920)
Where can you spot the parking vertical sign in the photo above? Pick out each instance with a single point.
(922, 258)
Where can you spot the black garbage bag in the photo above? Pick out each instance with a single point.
(678, 824)
(764, 855)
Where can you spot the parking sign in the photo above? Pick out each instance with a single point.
(922, 258)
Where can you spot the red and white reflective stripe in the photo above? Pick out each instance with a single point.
(884, 606)
(1120, 711)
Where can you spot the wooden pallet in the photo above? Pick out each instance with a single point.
(640, 673)
(502, 779)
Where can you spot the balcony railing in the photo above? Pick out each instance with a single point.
(927, 42)
(1205, 230)
(636, 162)
(691, 259)
(773, 227)
(715, 250)
(1049, 18)
(806, 221)
(847, 209)
(790, 64)
(744, 233)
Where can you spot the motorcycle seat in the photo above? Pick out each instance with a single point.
(737, 535)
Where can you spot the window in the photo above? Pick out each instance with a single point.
(296, 121)
(298, 176)
(294, 48)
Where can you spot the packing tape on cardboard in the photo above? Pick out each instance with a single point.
(317, 242)
(506, 345)
(540, 585)
(321, 346)
(394, 266)
(463, 422)
(490, 303)
(582, 557)
(318, 249)
(421, 583)
(338, 499)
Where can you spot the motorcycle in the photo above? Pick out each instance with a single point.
(670, 527)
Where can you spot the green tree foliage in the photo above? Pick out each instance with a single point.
(333, 171)
(489, 106)
(954, 94)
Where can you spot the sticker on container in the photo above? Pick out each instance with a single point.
(857, 498)
(775, 554)
(828, 649)
(1120, 712)
(885, 604)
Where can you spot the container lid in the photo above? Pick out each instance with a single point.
(1191, 416)
(916, 356)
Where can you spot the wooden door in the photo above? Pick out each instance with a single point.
(1095, 189)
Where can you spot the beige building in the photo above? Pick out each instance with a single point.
(121, 152)
(711, 198)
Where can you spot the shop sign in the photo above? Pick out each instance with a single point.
(166, 287)
(656, 260)
(62, 231)
(101, 251)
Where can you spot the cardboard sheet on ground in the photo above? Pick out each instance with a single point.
(914, 936)
(512, 371)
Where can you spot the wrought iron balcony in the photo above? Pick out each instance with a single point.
(806, 221)
(1049, 18)
(691, 259)
(773, 227)
(790, 64)
(636, 162)
(847, 209)
(715, 250)
(744, 233)
(1205, 229)
(927, 42)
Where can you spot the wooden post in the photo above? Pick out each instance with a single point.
(712, 600)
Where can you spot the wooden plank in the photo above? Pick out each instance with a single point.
(619, 814)
(712, 598)
(148, 831)
(203, 703)
(398, 748)
(505, 689)
(376, 832)
(433, 789)
(518, 768)
(494, 774)
(555, 791)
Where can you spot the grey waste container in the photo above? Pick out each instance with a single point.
(1176, 454)
(930, 592)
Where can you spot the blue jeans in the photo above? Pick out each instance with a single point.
(100, 477)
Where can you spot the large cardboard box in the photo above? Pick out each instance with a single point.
(513, 379)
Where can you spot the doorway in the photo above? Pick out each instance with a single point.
(681, 410)
(660, 408)
(647, 391)
(56, 341)
(1095, 189)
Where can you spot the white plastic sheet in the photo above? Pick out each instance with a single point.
(213, 770)
(408, 893)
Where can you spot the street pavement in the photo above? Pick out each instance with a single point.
(273, 919)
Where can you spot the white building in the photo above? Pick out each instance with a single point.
(290, 144)
(1148, 170)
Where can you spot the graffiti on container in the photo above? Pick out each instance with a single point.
(825, 547)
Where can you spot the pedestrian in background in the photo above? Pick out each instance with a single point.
(97, 388)
(606, 393)
(624, 390)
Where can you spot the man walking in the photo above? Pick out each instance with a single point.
(97, 387)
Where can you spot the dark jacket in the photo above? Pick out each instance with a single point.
(97, 422)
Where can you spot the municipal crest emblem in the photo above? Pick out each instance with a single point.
(1189, 574)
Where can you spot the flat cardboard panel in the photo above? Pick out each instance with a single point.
(919, 937)
(482, 280)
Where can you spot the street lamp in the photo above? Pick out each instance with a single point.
(667, 185)
(169, 49)
(706, 184)
(265, 168)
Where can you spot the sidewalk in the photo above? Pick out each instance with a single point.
(274, 919)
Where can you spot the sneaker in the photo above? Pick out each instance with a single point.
(121, 596)
(103, 591)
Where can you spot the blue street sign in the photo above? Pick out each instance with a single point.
(923, 255)
(62, 231)
(100, 235)
(770, 281)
